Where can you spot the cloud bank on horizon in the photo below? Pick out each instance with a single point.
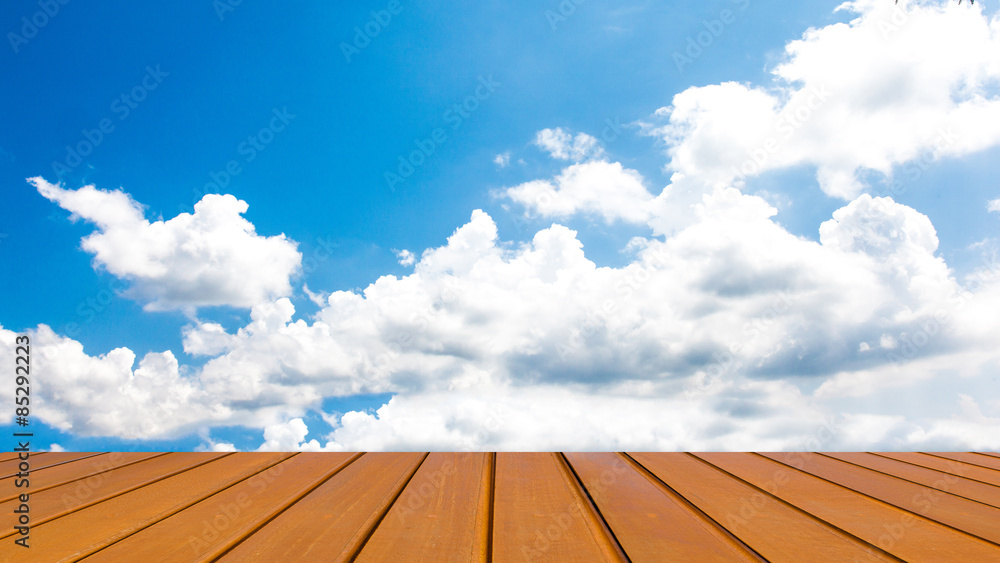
(723, 331)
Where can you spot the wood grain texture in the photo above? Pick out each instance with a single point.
(72, 496)
(507, 507)
(541, 515)
(952, 467)
(902, 533)
(973, 517)
(650, 522)
(90, 467)
(38, 461)
(333, 521)
(954, 483)
(82, 532)
(200, 531)
(988, 461)
(769, 526)
(443, 515)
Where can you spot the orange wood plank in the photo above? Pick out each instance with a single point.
(981, 460)
(894, 530)
(48, 477)
(954, 484)
(773, 529)
(375, 507)
(969, 471)
(973, 517)
(202, 531)
(442, 515)
(333, 521)
(8, 464)
(650, 523)
(540, 514)
(10, 468)
(85, 531)
(82, 492)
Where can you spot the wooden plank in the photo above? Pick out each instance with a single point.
(8, 469)
(540, 514)
(981, 460)
(975, 472)
(202, 531)
(82, 492)
(970, 516)
(894, 530)
(766, 524)
(333, 521)
(511, 507)
(8, 464)
(88, 530)
(442, 515)
(950, 482)
(650, 522)
(88, 467)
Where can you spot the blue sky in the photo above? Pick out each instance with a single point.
(261, 102)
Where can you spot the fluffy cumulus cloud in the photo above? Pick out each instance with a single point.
(844, 101)
(562, 144)
(767, 415)
(600, 188)
(548, 417)
(723, 331)
(406, 258)
(210, 257)
(709, 339)
(287, 436)
(914, 80)
(109, 394)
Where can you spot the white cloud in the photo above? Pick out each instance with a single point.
(898, 84)
(135, 401)
(733, 318)
(895, 84)
(548, 417)
(54, 447)
(993, 205)
(286, 437)
(217, 447)
(729, 333)
(900, 240)
(596, 187)
(769, 416)
(966, 429)
(317, 298)
(210, 445)
(207, 339)
(406, 258)
(563, 145)
(502, 159)
(970, 427)
(210, 257)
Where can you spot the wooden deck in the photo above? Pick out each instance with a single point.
(435, 507)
